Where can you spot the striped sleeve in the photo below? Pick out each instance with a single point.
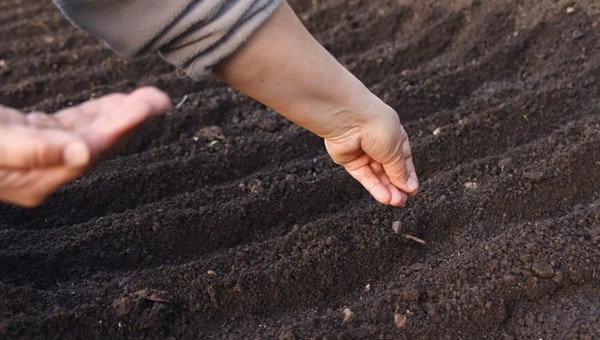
(193, 35)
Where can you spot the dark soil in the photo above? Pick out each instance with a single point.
(220, 219)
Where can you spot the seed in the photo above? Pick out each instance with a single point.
(348, 315)
(397, 227)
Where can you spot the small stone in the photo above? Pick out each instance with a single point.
(411, 294)
(509, 280)
(542, 270)
(287, 334)
(558, 277)
(577, 34)
(400, 320)
(505, 162)
(238, 288)
(368, 288)
(100, 294)
(437, 131)
(397, 227)
(329, 241)
(570, 10)
(348, 315)
(534, 176)
(211, 273)
(269, 125)
(122, 306)
(526, 258)
(153, 295)
(471, 185)
(210, 133)
(211, 291)
(255, 186)
(48, 39)
(417, 267)
(532, 248)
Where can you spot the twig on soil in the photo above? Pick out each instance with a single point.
(413, 238)
(181, 102)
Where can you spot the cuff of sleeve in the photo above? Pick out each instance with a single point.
(196, 56)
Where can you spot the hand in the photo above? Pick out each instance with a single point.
(285, 68)
(377, 154)
(40, 152)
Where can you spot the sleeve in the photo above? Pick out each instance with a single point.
(193, 35)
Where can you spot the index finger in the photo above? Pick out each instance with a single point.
(115, 119)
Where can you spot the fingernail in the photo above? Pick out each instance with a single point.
(412, 184)
(76, 155)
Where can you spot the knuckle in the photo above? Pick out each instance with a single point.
(403, 135)
(401, 173)
(408, 153)
(38, 155)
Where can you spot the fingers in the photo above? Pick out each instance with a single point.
(10, 116)
(30, 188)
(374, 179)
(84, 114)
(401, 170)
(39, 153)
(365, 176)
(78, 116)
(42, 120)
(158, 100)
(30, 147)
(413, 180)
(398, 198)
(116, 116)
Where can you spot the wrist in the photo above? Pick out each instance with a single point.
(356, 113)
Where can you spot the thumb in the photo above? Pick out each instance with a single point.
(31, 147)
(401, 170)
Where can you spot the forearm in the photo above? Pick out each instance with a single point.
(285, 68)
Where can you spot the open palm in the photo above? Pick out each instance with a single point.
(40, 152)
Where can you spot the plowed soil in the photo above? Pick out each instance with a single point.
(220, 219)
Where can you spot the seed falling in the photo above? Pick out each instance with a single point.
(397, 227)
